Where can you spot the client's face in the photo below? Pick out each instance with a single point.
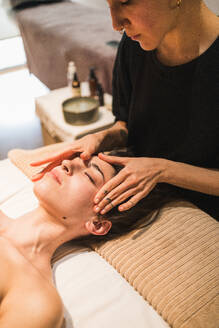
(68, 190)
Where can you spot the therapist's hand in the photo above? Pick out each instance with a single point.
(84, 147)
(136, 179)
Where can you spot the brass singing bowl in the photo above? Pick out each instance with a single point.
(80, 110)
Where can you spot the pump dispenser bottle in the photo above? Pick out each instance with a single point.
(70, 73)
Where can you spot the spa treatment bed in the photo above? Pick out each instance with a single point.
(56, 32)
(165, 275)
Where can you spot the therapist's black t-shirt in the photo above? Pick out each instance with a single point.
(171, 112)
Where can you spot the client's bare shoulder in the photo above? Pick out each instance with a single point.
(34, 310)
(43, 307)
(27, 299)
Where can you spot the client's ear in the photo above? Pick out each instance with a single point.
(98, 227)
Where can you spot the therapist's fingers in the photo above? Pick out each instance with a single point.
(110, 185)
(118, 200)
(85, 155)
(46, 169)
(113, 159)
(61, 156)
(136, 198)
(117, 194)
(37, 177)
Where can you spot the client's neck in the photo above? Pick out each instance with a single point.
(37, 235)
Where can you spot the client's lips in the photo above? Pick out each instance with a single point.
(55, 175)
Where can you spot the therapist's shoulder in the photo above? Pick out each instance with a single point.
(209, 62)
(207, 82)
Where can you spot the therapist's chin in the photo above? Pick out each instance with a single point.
(147, 46)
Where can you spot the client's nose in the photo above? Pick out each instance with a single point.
(70, 165)
(67, 166)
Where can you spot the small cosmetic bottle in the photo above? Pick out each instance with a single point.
(92, 82)
(100, 94)
(76, 90)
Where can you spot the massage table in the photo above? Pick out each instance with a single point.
(57, 32)
(157, 277)
(94, 294)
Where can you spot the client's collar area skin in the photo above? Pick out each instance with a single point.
(65, 192)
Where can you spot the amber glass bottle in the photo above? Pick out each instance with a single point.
(92, 82)
(76, 90)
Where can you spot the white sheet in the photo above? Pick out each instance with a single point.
(94, 294)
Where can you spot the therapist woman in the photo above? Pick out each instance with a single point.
(166, 105)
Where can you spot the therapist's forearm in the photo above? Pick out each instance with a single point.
(191, 177)
(115, 136)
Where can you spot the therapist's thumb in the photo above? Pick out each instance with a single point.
(113, 159)
(85, 155)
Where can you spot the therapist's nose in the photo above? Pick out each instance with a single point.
(117, 21)
(70, 165)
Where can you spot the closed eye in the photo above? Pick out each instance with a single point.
(90, 178)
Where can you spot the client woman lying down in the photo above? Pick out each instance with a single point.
(28, 297)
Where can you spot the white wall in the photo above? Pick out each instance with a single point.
(213, 5)
(93, 3)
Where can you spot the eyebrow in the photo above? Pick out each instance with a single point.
(94, 165)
